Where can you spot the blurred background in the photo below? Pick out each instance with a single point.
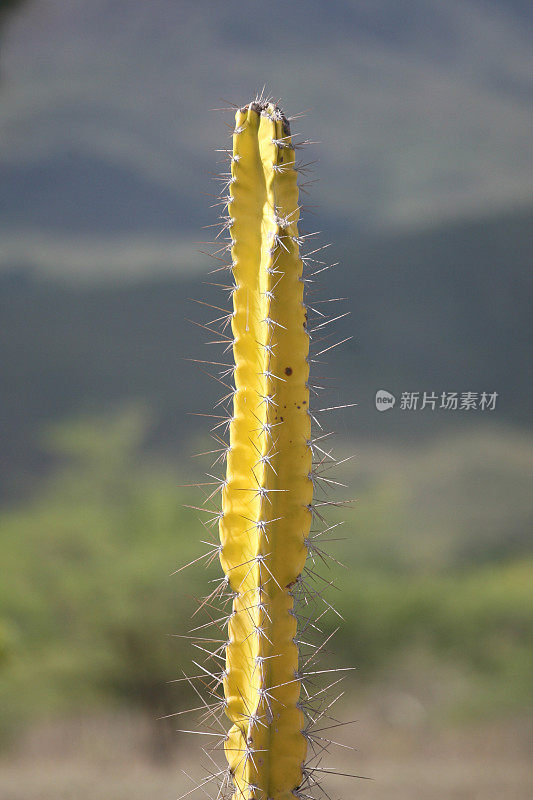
(420, 114)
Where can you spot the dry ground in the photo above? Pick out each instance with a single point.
(106, 759)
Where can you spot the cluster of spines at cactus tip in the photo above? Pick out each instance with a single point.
(311, 606)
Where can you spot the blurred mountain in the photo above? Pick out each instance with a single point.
(422, 108)
(442, 309)
(79, 193)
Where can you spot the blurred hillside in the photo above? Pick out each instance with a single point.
(420, 110)
(443, 309)
(106, 170)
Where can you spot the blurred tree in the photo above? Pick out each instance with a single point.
(88, 605)
(90, 583)
(7, 641)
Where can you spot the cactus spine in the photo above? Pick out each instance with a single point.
(267, 494)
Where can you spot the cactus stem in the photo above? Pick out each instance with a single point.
(269, 520)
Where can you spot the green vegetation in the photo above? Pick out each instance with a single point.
(87, 601)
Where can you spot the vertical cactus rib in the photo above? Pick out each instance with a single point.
(267, 494)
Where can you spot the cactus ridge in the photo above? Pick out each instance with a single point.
(266, 683)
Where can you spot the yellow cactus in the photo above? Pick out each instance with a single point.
(266, 498)
(267, 494)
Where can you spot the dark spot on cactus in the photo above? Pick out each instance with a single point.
(281, 418)
(288, 370)
(298, 406)
(304, 402)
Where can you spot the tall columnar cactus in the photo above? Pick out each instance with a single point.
(266, 499)
(273, 467)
